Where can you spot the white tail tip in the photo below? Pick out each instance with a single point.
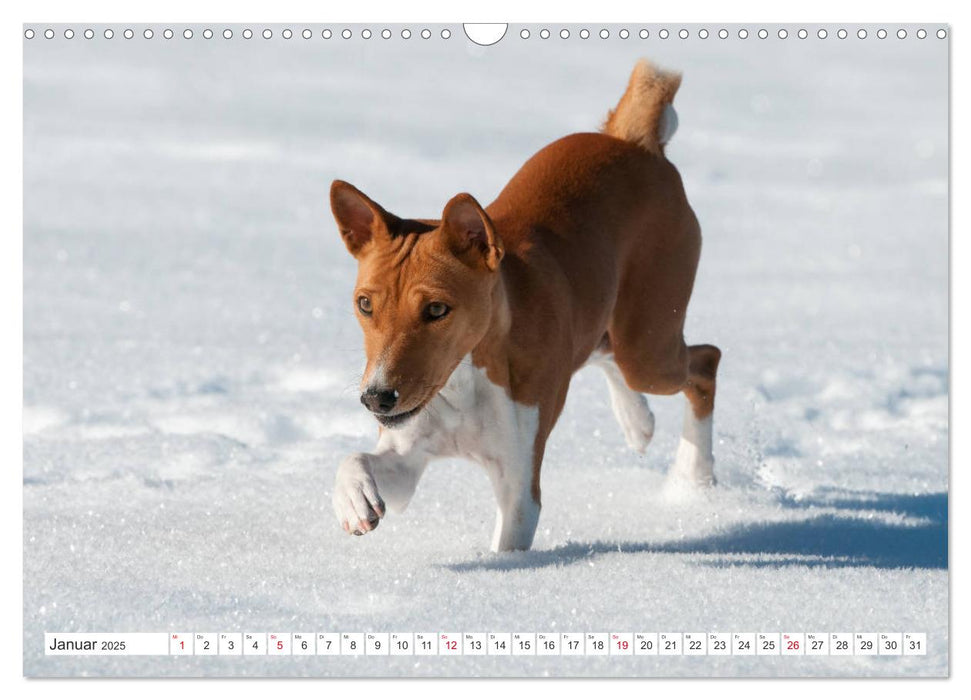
(668, 124)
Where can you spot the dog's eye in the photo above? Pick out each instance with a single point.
(436, 310)
(364, 304)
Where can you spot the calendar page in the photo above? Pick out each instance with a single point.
(363, 350)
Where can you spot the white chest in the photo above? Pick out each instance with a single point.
(471, 417)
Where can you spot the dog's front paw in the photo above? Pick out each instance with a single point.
(358, 505)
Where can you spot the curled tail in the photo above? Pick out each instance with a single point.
(644, 115)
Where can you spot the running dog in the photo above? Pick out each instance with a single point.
(474, 323)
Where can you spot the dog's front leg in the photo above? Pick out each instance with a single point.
(518, 512)
(369, 484)
(515, 481)
(511, 450)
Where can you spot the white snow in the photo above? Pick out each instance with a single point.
(191, 358)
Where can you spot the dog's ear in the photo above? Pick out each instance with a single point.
(359, 219)
(470, 233)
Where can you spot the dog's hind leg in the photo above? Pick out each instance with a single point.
(630, 407)
(694, 463)
(687, 370)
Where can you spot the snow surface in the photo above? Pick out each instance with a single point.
(191, 356)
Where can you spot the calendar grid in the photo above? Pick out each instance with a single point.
(386, 644)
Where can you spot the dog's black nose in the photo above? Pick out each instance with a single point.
(379, 400)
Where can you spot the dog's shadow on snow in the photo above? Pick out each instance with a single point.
(827, 540)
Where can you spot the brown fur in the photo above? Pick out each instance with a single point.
(598, 248)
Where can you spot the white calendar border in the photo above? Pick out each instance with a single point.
(11, 645)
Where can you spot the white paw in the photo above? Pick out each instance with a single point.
(637, 420)
(357, 504)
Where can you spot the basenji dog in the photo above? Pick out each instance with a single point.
(474, 323)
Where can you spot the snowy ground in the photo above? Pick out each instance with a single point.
(191, 358)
